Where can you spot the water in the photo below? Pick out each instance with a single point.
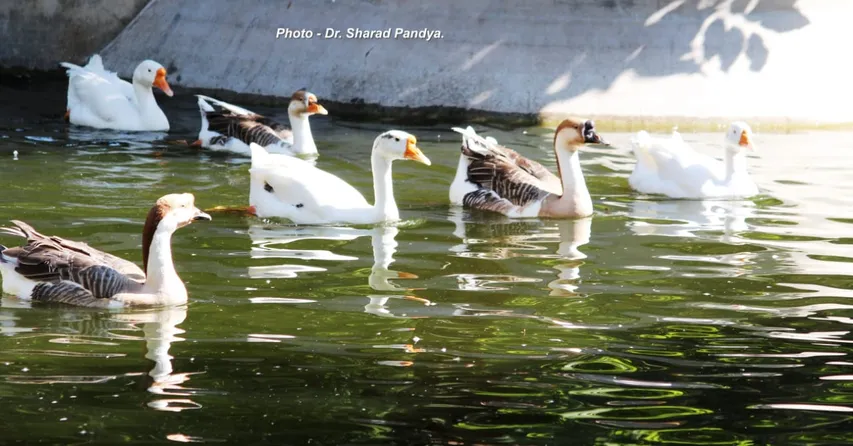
(655, 322)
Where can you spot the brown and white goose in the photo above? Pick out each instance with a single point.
(497, 179)
(233, 128)
(52, 269)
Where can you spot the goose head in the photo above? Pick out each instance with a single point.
(174, 211)
(150, 73)
(573, 133)
(399, 145)
(303, 103)
(169, 213)
(739, 137)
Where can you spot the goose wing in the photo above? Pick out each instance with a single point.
(247, 126)
(497, 172)
(69, 269)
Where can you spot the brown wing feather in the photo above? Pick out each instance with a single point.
(551, 182)
(46, 258)
(252, 128)
(495, 171)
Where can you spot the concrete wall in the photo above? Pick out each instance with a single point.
(764, 60)
(38, 34)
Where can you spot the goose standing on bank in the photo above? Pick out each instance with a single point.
(99, 98)
(51, 269)
(670, 167)
(288, 187)
(493, 178)
(233, 128)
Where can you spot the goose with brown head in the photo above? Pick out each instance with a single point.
(55, 270)
(232, 128)
(496, 179)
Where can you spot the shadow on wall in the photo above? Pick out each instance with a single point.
(680, 37)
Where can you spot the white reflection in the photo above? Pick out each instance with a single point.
(573, 234)
(521, 239)
(160, 330)
(683, 218)
(268, 242)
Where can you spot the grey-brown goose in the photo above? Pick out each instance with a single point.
(52, 269)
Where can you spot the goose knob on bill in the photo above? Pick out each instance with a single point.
(99, 98)
(496, 179)
(233, 128)
(55, 270)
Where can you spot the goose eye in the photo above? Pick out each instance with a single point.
(396, 139)
(267, 187)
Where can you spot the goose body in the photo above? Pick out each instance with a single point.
(493, 178)
(99, 98)
(55, 270)
(668, 166)
(288, 187)
(233, 128)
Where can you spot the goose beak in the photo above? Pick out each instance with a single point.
(317, 109)
(590, 136)
(160, 82)
(414, 153)
(745, 141)
(199, 215)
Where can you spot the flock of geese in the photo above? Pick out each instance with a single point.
(489, 177)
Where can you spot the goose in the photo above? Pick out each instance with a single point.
(52, 269)
(98, 98)
(233, 128)
(670, 167)
(492, 179)
(292, 188)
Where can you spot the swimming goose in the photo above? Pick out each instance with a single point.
(51, 269)
(233, 128)
(492, 179)
(292, 188)
(98, 98)
(672, 168)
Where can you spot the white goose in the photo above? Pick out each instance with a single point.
(670, 167)
(496, 179)
(51, 269)
(98, 98)
(233, 128)
(288, 187)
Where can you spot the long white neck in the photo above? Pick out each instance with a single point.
(303, 140)
(149, 111)
(383, 188)
(161, 276)
(735, 163)
(574, 184)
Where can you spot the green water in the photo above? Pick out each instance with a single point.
(655, 322)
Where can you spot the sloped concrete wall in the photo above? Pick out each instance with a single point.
(763, 60)
(38, 34)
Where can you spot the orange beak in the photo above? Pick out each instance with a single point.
(414, 153)
(160, 82)
(317, 109)
(745, 142)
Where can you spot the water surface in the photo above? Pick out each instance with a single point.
(654, 322)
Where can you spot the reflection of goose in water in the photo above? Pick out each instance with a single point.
(160, 330)
(267, 243)
(682, 218)
(521, 239)
(573, 234)
(82, 327)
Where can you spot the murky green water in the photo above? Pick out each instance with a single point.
(657, 322)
